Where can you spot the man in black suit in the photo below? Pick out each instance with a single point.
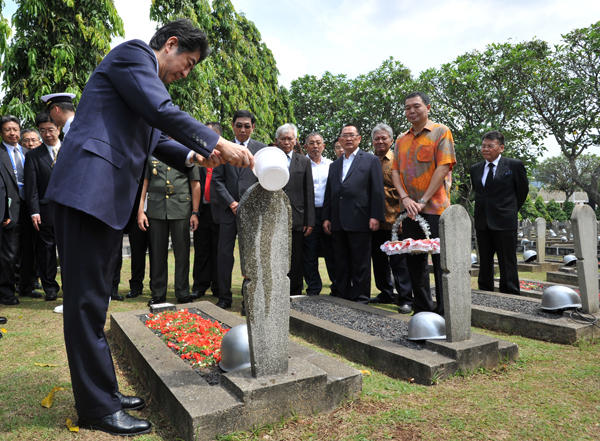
(125, 114)
(206, 236)
(352, 209)
(227, 187)
(501, 186)
(7, 210)
(38, 168)
(12, 162)
(300, 192)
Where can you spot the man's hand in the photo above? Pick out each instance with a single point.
(214, 160)
(6, 222)
(307, 230)
(412, 208)
(142, 221)
(193, 222)
(373, 224)
(234, 154)
(234, 206)
(36, 220)
(327, 226)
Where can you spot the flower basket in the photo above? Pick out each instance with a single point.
(411, 246)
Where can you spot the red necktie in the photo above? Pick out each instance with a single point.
(207, 184)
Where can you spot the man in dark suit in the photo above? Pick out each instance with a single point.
(206, 236)
(38, 168)
(227, 187)
(12, 161)
(9, 208)
(501, 186)
(121, 117)
(352, 210)
(300, 192)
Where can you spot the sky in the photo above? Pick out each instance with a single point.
(355, 37)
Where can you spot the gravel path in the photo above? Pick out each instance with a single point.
(388, 329)
(510, 304)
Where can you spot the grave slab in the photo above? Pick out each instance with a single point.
(201, 411)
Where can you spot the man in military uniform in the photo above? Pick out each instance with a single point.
(171, 208)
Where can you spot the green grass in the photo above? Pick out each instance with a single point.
(550, 393)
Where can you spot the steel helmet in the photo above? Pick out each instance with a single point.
(427, 326)
(559, 297)
(235, 349)
(564, 239)
(473, 258)
(525, 241)
(529, 255)
(569, 259)
(552, 233)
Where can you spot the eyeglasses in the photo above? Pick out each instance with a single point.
(349, 135)
(49, 130)
(243, 126)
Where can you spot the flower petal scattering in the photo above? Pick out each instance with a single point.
(193, 338)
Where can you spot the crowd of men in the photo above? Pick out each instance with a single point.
(127, 164)
(340, 209)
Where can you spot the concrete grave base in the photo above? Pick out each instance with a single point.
(437, 359)
(557, 330)
(564, 278)
(536, 267)
(313, 383)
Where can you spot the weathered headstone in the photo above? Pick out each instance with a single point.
(527, 229)
(583, 222)
(455, 250)
(569, 229)
(540, 231)
(264, 231)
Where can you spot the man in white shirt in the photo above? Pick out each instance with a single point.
(317, 243)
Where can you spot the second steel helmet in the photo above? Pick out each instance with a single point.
(235, 349)
(426, 326)
(558, 297)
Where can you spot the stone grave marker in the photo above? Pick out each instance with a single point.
(527, 229)
(264, 229)
(455, 250)
(585, 228)
(540, 230)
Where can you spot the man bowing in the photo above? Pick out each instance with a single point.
(125, 115)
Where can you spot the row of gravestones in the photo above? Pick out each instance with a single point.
(559, 230)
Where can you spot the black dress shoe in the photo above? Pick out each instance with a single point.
(225, 304)
(50, 296)
(9, 301)
(3, 320)
(186, 299)
(117, 296)
(118, 423)
(130, 402)
(32, 294)
(157, 301)
(133, 294)
(37, 285)
(381, 300)
(197, 294)
(404, 309)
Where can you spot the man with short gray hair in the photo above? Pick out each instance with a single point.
(300, 191)
(385, 268)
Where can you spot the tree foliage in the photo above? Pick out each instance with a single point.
(555, 212)
(555, 174)
(241, 72)
(5, 32)
(56, 46)
(325, 104)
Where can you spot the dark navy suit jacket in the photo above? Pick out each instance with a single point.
(496, 207)
(120, 118)
(38, 169)
(349, 204)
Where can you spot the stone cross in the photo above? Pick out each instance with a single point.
(455, 250)
(540, 242)
(585, 229)
(264, 231)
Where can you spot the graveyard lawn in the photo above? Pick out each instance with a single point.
(550, 393)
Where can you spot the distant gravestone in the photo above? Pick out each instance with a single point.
(527, 229)
(540, 231)
(455, 250)
(264, 231)
(585, 229)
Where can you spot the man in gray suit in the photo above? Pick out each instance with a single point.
(300, 192)
(228, 185)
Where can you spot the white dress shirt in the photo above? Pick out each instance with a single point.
(486, 168)
(347, 163)
(320, 172)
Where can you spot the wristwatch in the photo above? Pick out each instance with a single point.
(196, 213)
(422, 201)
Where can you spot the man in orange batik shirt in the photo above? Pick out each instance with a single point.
(423, 160)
